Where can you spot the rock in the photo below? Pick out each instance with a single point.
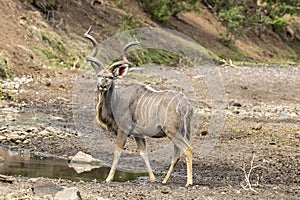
(53, 129)
(2, 137)
(204, 132)
(5, 190)
(7, 179)
(3, 128)
(235, 104)
(26, 141)
(236, 112)
(46, 189)
(56, 118)
(165, 190)
(258, 126)
(14, 137)
(18, 141)
(30, 129)
(82, 167)
(68, 194)
(82, 162)
(82, 157)
(283, 116)
(272, 143)
(43, 133)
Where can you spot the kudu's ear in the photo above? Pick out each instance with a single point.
(121, 71)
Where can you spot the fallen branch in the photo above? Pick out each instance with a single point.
(6, 179)
(225, 63)
(247, 185)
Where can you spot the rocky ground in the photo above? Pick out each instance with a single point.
(262, 124)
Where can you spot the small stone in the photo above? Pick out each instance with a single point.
(236, 112)
(235, 104)
(26, 142)
(7, 179)
(56, 118)
(14, 137)
(30, 129)
(68, 193)
(258, 126)
(82, 157)
(45, 188)
(204, 132)
(2, 137)
(18, 141)
(43, 132)
(165, 190)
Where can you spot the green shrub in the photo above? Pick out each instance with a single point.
(5, 72)
(130, 22)
(233, 19)
(241, 16)
(164, 9)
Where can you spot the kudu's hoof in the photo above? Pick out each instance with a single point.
(188, 184)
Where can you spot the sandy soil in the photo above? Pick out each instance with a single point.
(262, 120)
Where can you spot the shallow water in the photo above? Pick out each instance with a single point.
(16, 162)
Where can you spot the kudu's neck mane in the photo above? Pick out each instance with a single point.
(104, 114)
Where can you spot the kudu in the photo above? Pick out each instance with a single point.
(149, 113)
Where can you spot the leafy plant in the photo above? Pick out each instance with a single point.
(157, 56)
(241, 16)
(5, 71)
(54, 51)
(164, 9)
(130, 22)
(274, 11)
(233, 19)
(119, 4)
(5, 95)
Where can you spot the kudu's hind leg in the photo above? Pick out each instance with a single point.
(120, 143)
(141, 143)
(186, 148)
(176, 157)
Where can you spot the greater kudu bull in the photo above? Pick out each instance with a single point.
(142, 111)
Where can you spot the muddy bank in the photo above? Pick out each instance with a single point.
(262, 120)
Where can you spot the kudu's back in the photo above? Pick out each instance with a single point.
(145, 111)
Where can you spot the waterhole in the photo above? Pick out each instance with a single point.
(15, 162)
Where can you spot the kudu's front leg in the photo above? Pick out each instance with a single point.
(141, 143)
(120, 143)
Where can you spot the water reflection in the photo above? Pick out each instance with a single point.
(18, 162)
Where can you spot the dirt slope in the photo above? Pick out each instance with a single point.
(29, 33)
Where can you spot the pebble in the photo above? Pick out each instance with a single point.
(235, 104)
(68, 193)
(3, 128)
(165, 190)
(14, 137)
(2, 137)
(258, 126)
(26, 141)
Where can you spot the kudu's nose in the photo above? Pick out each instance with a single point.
(102, 84)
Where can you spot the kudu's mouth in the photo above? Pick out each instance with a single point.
(102, 88)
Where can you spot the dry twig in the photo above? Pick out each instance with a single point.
(227, 63)
(247, 185)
